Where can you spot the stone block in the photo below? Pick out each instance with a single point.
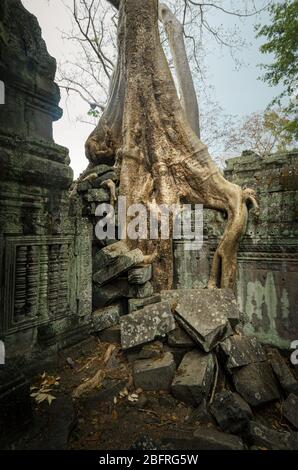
(282, 372)
(256, 383)
(146, 324)
(140, 291)
(238, 351)
(140, 275)
(211, 439)
(193, 378)
(109, 254)
(121, 264)
(151, 350)
(137, 304)
(106, 317)
(97, 195)
(290, 409)
(259, 435)
(212, 296)
(83, 186)
(180, 339)
(154, 374)
(231, 412)
(202, 314)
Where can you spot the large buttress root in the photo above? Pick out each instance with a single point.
(159, 157)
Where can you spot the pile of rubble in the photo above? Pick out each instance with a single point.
(190, 342)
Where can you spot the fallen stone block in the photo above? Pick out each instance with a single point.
(202, 313)
(211, 439)
(238, 351)
(193, 378)
(146, 324)
(140, 291)
(137, 304)
(109, 293)
(154, 374)
(256, 383)
(213, 297)
(282, 372)
(106, 317)
(110, 335)
(259, 435)
(151, 350)
(180, 339)
(290, 409)
(140, 275)
(109, 254)
(231, 412)
(121, 264)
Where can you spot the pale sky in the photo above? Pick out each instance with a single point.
(239, 92)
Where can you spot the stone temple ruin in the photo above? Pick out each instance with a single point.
(63, 293)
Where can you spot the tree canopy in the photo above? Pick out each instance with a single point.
(282, 42)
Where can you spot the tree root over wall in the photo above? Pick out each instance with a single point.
(145, 132)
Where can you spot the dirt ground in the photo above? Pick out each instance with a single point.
(94, 405)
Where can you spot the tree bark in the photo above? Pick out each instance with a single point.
(159, 156)
(188, 96)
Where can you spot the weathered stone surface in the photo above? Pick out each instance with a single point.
(109, 293)
(259, 435)
(146, 324)
(268, 254)
(171, 296)
(203, 314)
(119, 289)
(140, 275)
(119, 266)
(151, 350)
(154, 374)
(194, 377)
(45, 245)
(211, 439)
(180, 339)
(231, 412)
(140, 291)
(83, 186)
(227, 296)
(110, 335)
(97, 195)
(109, 254)
(290, 409)
(256, 383)
(282, 372)
(106, 317)
(137, 304)
(240, 351)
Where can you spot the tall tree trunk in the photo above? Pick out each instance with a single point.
(188, 97)
(160, 158)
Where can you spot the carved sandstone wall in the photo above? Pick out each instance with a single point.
(267, 278)
(45, 248)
